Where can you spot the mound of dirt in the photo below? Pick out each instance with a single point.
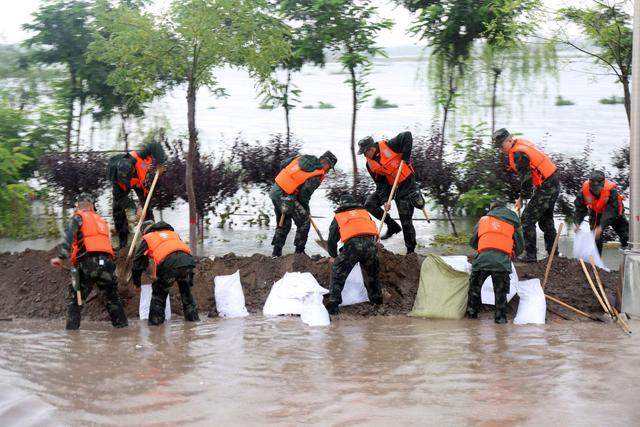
(30, 288)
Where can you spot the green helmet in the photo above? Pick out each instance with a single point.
(329, 157)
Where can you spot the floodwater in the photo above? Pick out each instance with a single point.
(375, 371)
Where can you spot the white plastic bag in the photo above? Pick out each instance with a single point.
(287, 293)
(458, 262)
(486, 293)
(532, 306)
(229, 296)
(354, 291)
(584, 246)
(313, 311)
(145, 302)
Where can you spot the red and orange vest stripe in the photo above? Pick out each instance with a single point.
(495, 234)
(354, 223)
(599, 205)
(291, 178)
(142, 167)
(162, 243)
(389, 163)
(542, 167)
(95, 235)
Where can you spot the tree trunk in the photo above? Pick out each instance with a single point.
(80, 113)
(125, 132)
(70, 105)
(627, 97)
(191, 160)
(287, 108)
(494, 89)
(354, 112)
(447, 212)
(448, 103)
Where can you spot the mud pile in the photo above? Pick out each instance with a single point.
(30, 288)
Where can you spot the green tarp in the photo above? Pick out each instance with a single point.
(442, 293)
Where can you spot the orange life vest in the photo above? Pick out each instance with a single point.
(163, 243)
(142, 166)
(355, 222)
(495, 234)
(291, 178)
(542, 167)
(389, 163)
(95, 235)
(599, 205)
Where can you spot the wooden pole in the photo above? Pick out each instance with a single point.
(593, 287)
(565, 305)
(612, 309)
(391, 195)
(553, 253)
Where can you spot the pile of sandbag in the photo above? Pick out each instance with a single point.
(444, 287)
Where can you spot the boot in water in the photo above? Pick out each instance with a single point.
(391, 230)
(277, 251)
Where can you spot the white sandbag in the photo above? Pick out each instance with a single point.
(584, 246)
(486, 292)
(354, 291)
(145, 302)
(287, 293)
(313, 311)
(532, 307)
(458, 262)
(229, 296)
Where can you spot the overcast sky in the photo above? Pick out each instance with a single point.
(17, 12)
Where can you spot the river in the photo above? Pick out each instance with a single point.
(375, 371)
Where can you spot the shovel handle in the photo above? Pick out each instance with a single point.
(281, 221)
(143, 215)
(79, 298)
(391, 196)
(426, 215)
(553, 253)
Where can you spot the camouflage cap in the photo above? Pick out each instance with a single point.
(596, 177)
(347, 199)
(329, 157)
(85, 197)
(500, 135)
(365, 143)
(146, 225)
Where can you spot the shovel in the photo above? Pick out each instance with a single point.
(612, 310)
(391, 196)
(321, 242)
(124, 272)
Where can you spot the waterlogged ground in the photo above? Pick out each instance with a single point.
(375, 371)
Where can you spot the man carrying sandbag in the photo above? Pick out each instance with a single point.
(497, 237)
(87, 244)
(128, 172)
(383, 162)
(291, 193)
(353, 226)
(601, 199)
(172, 262)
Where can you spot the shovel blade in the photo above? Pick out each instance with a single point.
(323, 244)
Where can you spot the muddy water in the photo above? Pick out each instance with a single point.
(277, 371)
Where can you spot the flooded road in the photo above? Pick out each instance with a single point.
(357, 371)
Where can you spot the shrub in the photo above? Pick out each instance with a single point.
(612, 100)
(70, 175)
(572, 172)
(325, 105)
(561, 102)
(339, 183)
(379, 102)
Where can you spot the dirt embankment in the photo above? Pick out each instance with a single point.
(30, 288)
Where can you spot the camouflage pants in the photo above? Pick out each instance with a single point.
(501, 283)
(120, 204)
(160, 290)
(540, 211)
(621, 227)
(405, 212)
(98, 270)
(358, 249)
(299, 216)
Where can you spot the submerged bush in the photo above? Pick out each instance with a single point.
(561, 102)
(380, 102)
(76, 173)
(612, 100)
(339, 183)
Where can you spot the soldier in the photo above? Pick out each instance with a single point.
(172, 262)
(497, 237)
(299, 178)
(537, 172)
(601, 199)
(383, 162)
(128, 172)
(358, 234)
(87, 244)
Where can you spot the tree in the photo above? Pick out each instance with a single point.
(151, 53)
(353, 28)
(62, 36)
(609, 38)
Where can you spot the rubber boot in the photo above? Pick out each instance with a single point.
(73, 317)
(277, 251)
(118, 317)
(122, 240)
(500, 317)
(392, 228)
(332, 308)
(411, 250)
(472, 313)
(528, 258)
(300, 250)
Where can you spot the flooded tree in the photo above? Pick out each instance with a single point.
(152, 53)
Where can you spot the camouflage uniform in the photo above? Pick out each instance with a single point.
(176, 267)
(296, 207)
(493, 263)
(93, 268)
(407, 196)
(610, 217)
(540, 208)
(362, 249)
(121, 169)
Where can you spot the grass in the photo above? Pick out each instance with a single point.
(380, 102)
(612, 100)
(462, 239)
(561, 102)
(321, 106)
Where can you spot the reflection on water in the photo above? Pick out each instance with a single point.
(373, 371)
